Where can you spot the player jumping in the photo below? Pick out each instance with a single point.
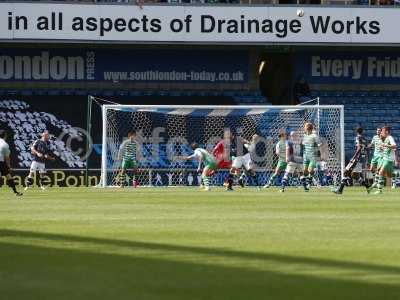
(293, 159)
(210, 164)
(357, 162)
(127, 153)
(246, 161)
(310, 149)
(280, 151)
(5, 164)
(40, 150)
(223, 152)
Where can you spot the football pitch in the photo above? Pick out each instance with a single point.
(177, 243)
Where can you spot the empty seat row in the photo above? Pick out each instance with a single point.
(363, 94)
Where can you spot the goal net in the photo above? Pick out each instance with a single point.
(164, 135)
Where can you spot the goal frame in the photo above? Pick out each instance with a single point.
(103, 178)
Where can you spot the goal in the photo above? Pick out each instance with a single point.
(164, 133)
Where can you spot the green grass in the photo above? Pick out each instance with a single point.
(187, 244)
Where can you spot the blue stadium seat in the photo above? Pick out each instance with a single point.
(81, 92)
(54, 92)
(134, 93)
(369, 109)
(40, 92)
(27, 92)
(109, 93)
(122, 93)
(388, 94)
(315, 94)
(95, 92)
(67, 92)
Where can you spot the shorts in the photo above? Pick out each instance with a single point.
(375, 161)
(387, 166)
(243, 161)
(211, 165)
(128, 164)
(292, 167)
(360, 165)
(37, 166)
(309, 163)
(281, 166)
(358, 168)
(4, 169)
(224, 165)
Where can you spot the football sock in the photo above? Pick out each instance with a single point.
(376, 180)
(309, 180)
(272, 179)
(242, 176)
(11, 184)
(381, 182)
(343, 183)
(254, 178)
(206, 181)
(303, 182)
(285, 181)
(40, 180)
(29, 181)
(230, 181)
(363, 182)
(394, 177)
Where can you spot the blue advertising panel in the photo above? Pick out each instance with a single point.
(203, 66)
(348, 68)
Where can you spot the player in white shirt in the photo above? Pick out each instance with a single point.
(246, 161)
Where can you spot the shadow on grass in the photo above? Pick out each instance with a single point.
(35, 272)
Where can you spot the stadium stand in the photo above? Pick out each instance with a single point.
(239, 97)
(368, 109)
(25, 123)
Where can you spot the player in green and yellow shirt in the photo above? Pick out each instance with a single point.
(127, 153)
(280, 151)
(388, 158)
(203, 157)
(310, 146)
(376, 160)
(377, 155)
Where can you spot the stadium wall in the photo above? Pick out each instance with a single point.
(128, 67)
(374, 69)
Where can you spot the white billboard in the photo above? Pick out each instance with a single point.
(199, 24)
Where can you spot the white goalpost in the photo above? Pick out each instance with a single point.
(164, 133)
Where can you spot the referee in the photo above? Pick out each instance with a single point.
(5, 166)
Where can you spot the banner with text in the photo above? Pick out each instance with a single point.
(198, 66)
(193, 24)
(349, 68)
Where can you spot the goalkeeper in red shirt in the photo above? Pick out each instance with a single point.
(223, 152)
